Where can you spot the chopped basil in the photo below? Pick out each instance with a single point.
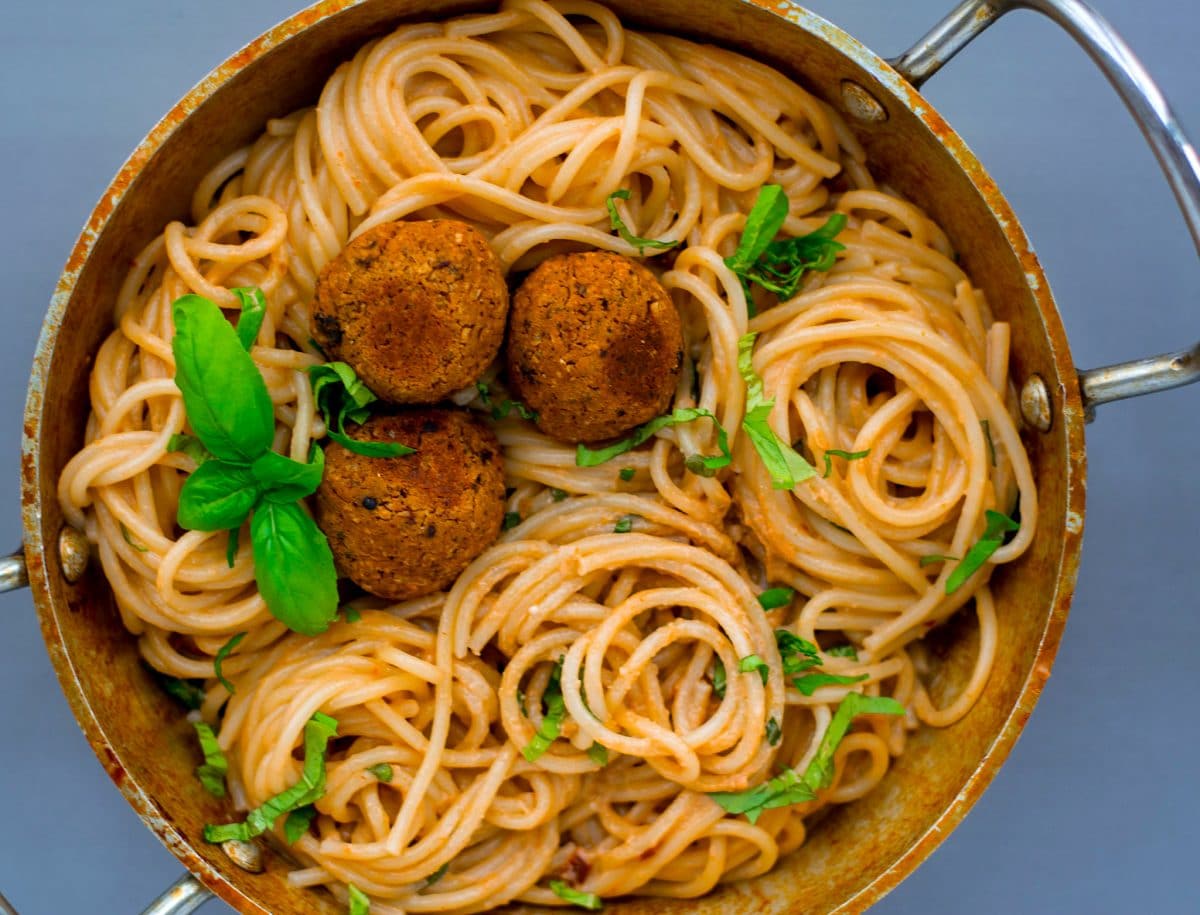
(618, 225)
(297, 823)
(753, 662)
(810, 683)
(511, 520)
(598, 753)
(254, 310)
(993, 538)
(351, 615)
(212, 772)
(231, 546)
(342, 397)
(718, 678)
(831, 453)
(774, 598)
(311, 787)
(359, 903)
(701, 464)
(774, 732)
(437, 875)
(778, 265)
(625, 524)
(843, 651)
(222, 653)
(935, 558)
(800, 656)
(558, 494)
(786, 467)
(626, 474)
(552, 719)
(503, 410)
(790, 788)
(189, 693)
(987, 434)
(382, 771)
(133, 543)
(576, 897)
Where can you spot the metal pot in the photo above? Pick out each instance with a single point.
(137, 732)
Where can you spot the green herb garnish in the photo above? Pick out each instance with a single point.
(598, 753)
(718, 678)
(503, 410)
(774, 732)
(222, 653)
(558, 494)
(786, 467)
(359, 903)
(351, 615)
(753, 662)
(342, 397)
(297, 823)
(618, 226)
(311, 787)
(625, 524)
(437, 875)
(382, 771)
(831, 453)
(778, 265)
(230, 411)
(189, 693)
(254, 310)
(987, 434)
(555, 712)
(626, 474)
(576, 897)
(189, 445)
(701, 464)
(935, 558)
(843, 651)
(231, 546)
(800, 656)
(133, 543)
(212, 772)
(774, 598)
(993, 538)
(790, 788)
(511, 520)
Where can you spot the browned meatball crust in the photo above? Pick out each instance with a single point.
(416, 308)
(406, 526)
(595, 345)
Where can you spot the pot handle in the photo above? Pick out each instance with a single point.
(183, 896)
(13, 576)
(1154, 117)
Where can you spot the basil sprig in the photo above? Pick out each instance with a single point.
(778, 265)
(212, 772)
(231, 414)
(342, 397)
(318, 731)
(800, 656)
(705, 465)
(297, 823)
(360, 904)
(792, 788)
(222, 653)
(189, 693)
(831, 453)
(576, 897)
(786, 467)
(993, 538)
(618, 226)
(552, 719)
(753, 662)
(254, 310)
(774, 598)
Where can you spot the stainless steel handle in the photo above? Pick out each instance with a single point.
(185, 895)
(13, 576)
(1154, 117)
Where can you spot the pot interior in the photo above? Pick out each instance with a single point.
(857, 852)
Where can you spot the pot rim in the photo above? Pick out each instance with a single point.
(42, 563)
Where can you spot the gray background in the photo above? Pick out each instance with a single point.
(1096, 809)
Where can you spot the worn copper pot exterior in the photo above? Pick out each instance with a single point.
(860, 851)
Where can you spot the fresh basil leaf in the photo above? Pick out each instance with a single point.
(935, 558)
(810, 683)
(705, 465)
(351, 614)
(231, 546)
(993, 538)
(753, 662)
(626, 474)
(133, 543)
(552, 719)
(359, 903)
(297, 823)
(280, 479)
(381, 771)
(437, 875)
(774, 598)
(987, 434)
(786, 467)
(191, 446)
(508, 406)
(293, 566)
(317, 733)
(222, 653)
(719, 678)
(216, 496)
(625, 524)
(370, 449)
(254, 310)
(342, 397)
(598, 753)
(511, 520)
(223, 391)
(831, 453)
(797, 654)
(618, 226)
(212, 773)
(774, 732)
(783, 790)
(189, 693)
(558, 494)
(843, 651)
(576, 897)
(763, 222)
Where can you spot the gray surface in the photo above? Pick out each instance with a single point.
(1096, 809)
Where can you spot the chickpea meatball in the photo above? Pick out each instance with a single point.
(407, 526)
(595, 345)
(416, 308)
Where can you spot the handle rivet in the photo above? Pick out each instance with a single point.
(246, 855)
(73, 553)
(1035, 404)
(861, 104)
